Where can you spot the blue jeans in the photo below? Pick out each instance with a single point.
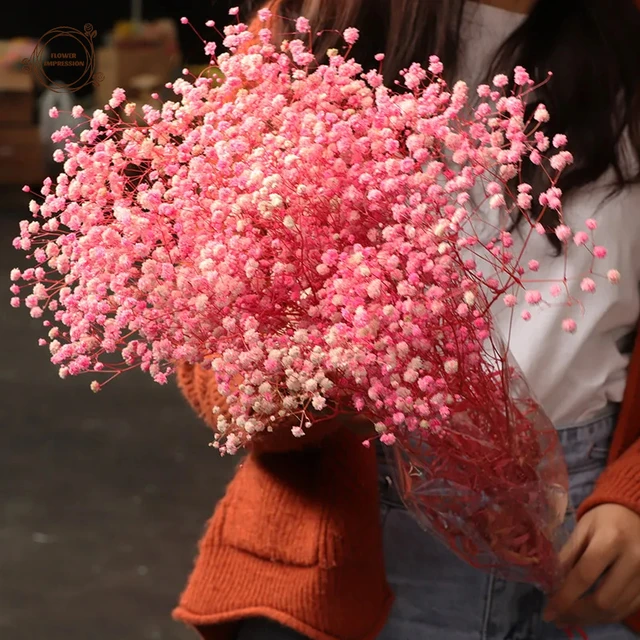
(439, 597)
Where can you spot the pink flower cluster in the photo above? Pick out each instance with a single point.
(308, 227)
(323, 243)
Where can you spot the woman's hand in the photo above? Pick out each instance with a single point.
(606, 539)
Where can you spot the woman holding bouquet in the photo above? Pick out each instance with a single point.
(311, 539)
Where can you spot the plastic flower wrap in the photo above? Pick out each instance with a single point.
(310, 235)
(491, 483)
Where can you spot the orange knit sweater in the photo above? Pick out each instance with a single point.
(297, 538)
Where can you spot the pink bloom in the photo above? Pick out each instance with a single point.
(613, 275)
(555, 290)
(560, 160)
(510, 300)
(581, 238)
(534, 265)
(500, 80)
(494, 188)
(526, 316)
(521, 77)
(435, 65)
(551, 198)
(234, 11)
(507, 239)
(559, 140)
(600, 252)
(351, 35)
(541, 114)
(569, 325)
(563, 232)
(588, 285)
(388, 439)
(302, 25)
(264, 15)
(535, 157)
(184, 20)
(524, 201)
(533, 297)
(542, 141)
(497, 201)
(592, 225)
(451, 366)
(53, 112)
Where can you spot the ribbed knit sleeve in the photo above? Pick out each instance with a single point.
(199, 387)
(619, 484)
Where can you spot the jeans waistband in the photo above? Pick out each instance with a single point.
(585, 446)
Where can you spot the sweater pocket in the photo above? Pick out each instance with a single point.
(272, 510)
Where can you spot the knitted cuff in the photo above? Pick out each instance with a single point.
(619, 484)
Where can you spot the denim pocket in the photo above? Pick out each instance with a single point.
(590, 457)
(586, 448)
(599, 452)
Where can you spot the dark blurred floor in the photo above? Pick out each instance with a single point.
(102, 497)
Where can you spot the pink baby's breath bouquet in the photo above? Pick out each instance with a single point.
(311, 236)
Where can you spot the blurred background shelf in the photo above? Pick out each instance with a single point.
(21, 151)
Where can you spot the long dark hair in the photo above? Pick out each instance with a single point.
(591, 46)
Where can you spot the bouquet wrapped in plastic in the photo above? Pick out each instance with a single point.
(315, 230)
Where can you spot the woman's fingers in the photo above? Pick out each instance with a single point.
(590, 556)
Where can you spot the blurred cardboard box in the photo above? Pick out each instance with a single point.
(148, 57)
(17, 94)
(21, 155)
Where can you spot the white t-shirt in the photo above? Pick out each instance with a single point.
(573, 376)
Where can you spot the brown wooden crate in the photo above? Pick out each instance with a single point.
(21, 156)
(16, 108)
(16, 97)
